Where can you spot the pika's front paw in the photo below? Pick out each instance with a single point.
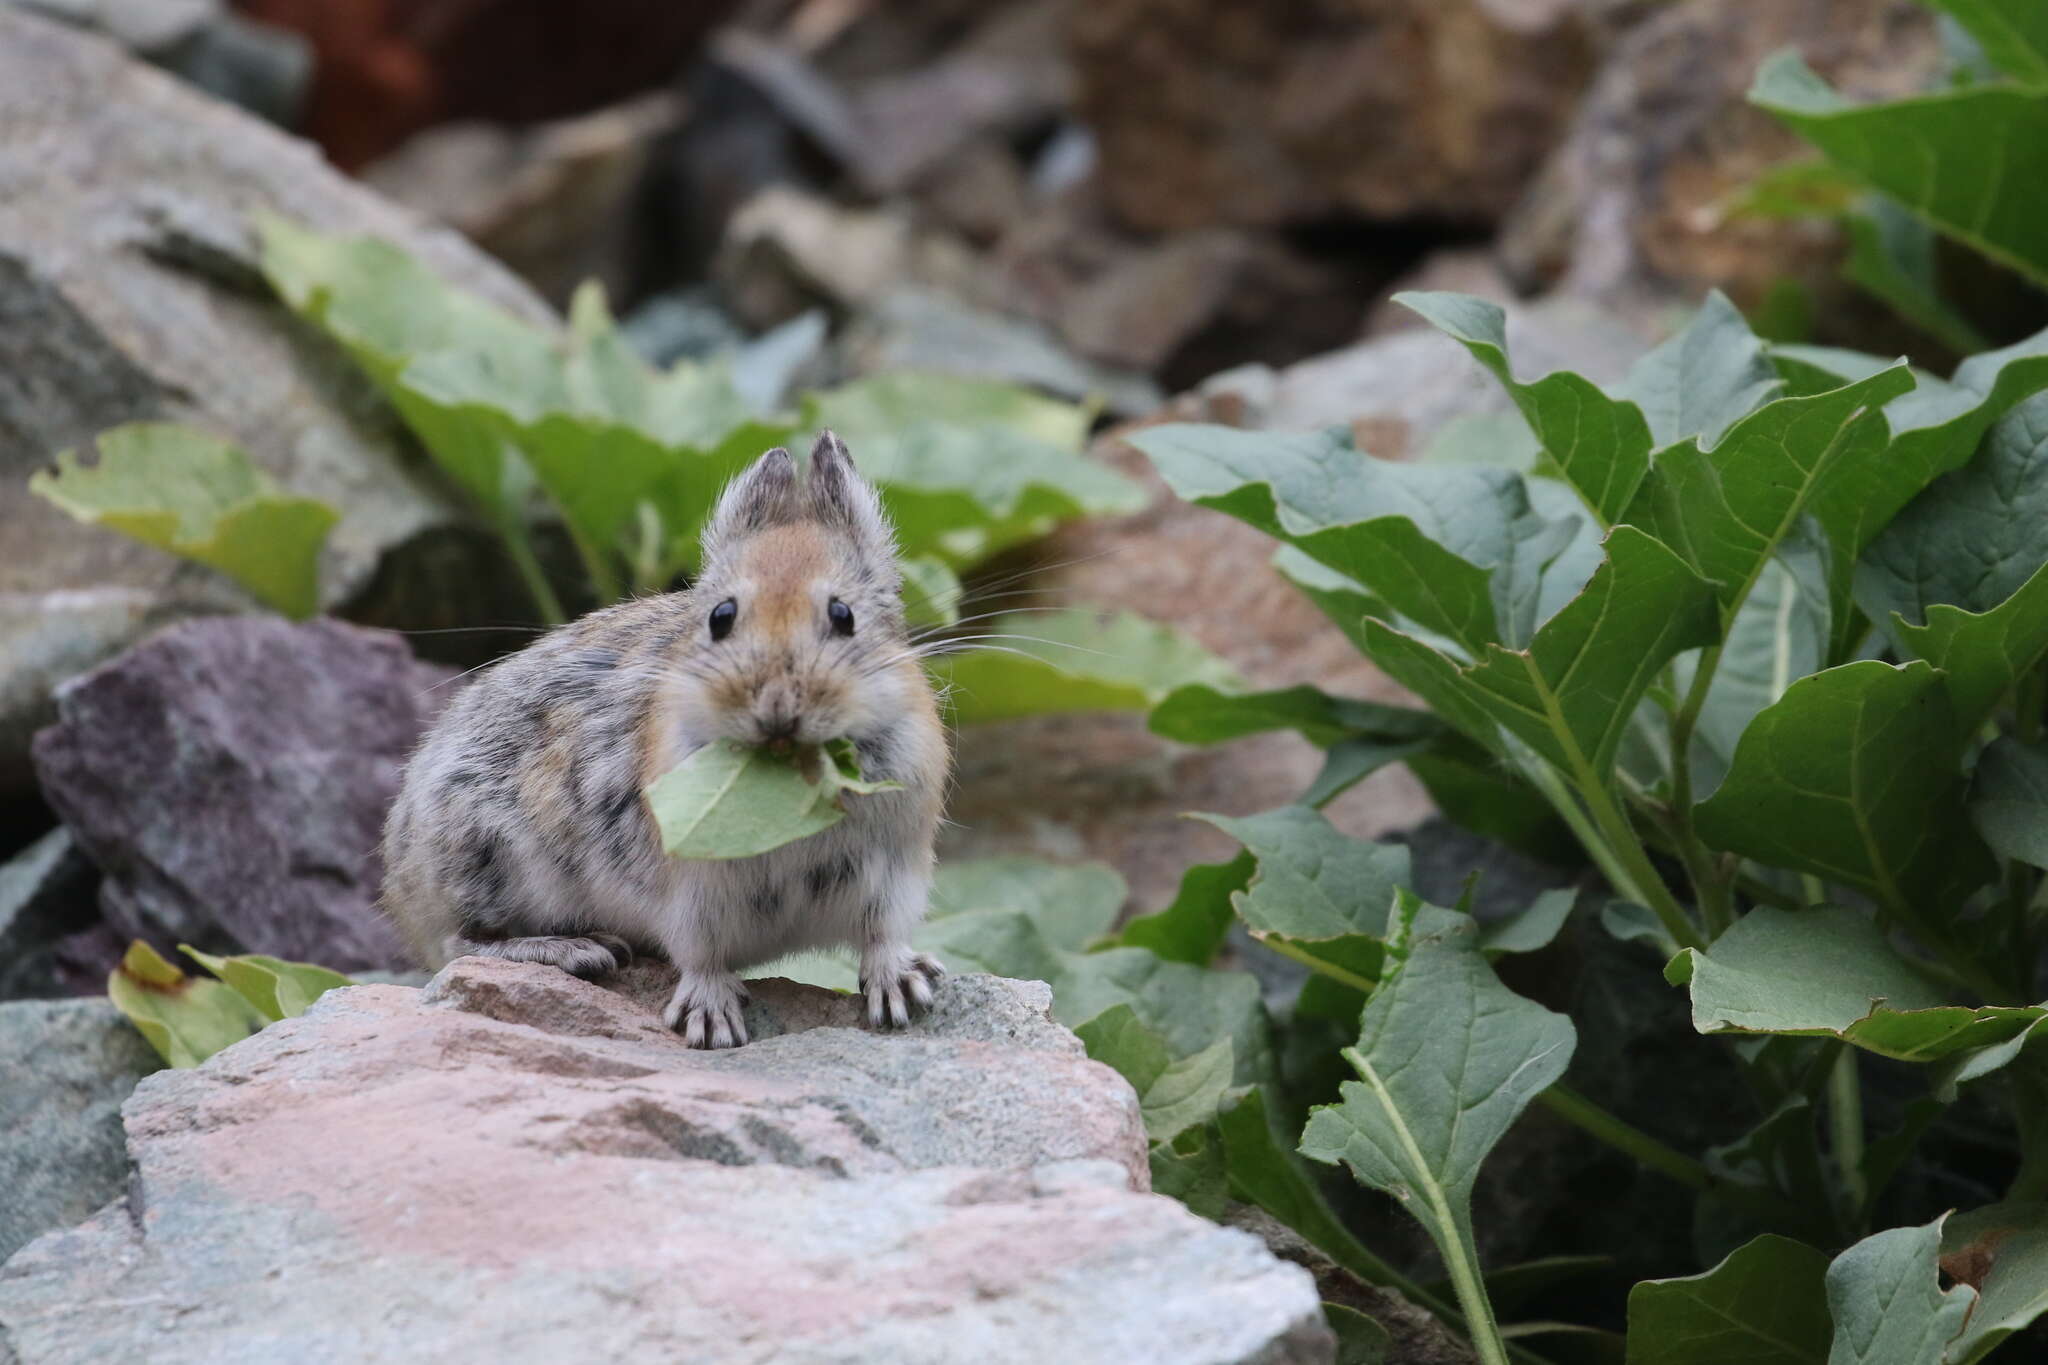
(706, 1010)
(898, 985)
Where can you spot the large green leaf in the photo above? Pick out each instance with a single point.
(184, 491)
(969, 466)
(1973, 539)
(185, 1018)
(1071, 903)
(1174, 1094)
(2013, 34)
(1828, 972)
(2003, 1250)
(2009, 800)
(1447, 1059)
(1191, 1007)
(1984, 653)
(1727, 508)
(1974, 161)
(1571, 693)
(1193, 927)
(1764, 1305)
(1318, 896)
(730, 800)
(1043, 663)
(1203, 714)
(1887, 1302)
(1853, 776)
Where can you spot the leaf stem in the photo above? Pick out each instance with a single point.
(1628, 849)
(1845, 1119)
(519, 546)
(1709, 888)
(1623, 1136)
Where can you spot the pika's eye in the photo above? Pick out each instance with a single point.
(722, 617)
(842, 617)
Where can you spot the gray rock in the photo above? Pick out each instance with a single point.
(516, 1165)
(68, 1064)
(48, 891)
(230, 777)
(127, 291)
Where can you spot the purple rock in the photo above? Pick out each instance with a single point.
(230, 777)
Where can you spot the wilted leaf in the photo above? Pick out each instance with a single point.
(1888, 1305)
(1989, 141)
(278, 989)
(1764, 1305)
(184, 491)
(1852, 776)
(1174, 1093)
(185, 1018)
(1075, 660)
(729, 800)
(1829, 972)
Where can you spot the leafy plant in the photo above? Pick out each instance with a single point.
(1771, 618)
(1969, 161)
(189, 1018)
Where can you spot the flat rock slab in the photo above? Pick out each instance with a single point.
(515, 1165)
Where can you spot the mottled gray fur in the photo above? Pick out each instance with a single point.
(520, 829)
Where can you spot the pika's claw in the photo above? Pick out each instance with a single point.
(706, 1010)
(898, 986)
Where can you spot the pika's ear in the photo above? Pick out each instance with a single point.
(763, 495)
(840, 497)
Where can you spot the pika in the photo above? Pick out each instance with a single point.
(520, 830)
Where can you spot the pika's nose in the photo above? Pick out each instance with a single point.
(778, 727)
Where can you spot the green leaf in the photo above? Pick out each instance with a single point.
(1191, 1007)
(1973, 539)
(1533, 926)
(185, 1018)
(1891, 254)
(1763, 1305)
(729, 800)
(1852, 776)
(1074, 660)
(931, 592)
(1972, 161)
(1203, 714)
(184, 491)
(278, 989)
(1725, 510)
(969, 466)
(1174, 1094)
(1072, 903)
(1193, 927)
(1569, 696)
(2009, 800)
(1829, 972)
(1318, 896)
(1887, 1302)
(1447, 1059)
(1983, 653)
(1193, 1169)
(2013, 33)
(1360, 1340)
(2003, 1251)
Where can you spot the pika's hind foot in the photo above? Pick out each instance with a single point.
(584, 955)
(706, 1010)
(898, 985)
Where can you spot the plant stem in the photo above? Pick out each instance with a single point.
(1709, 888)
(1845, 1118)
(520, 548)
(1623, 1136)
(1628, 850)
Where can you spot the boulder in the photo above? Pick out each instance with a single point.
(1636, 196)
(69, 1064)
(1241, 112)
(516, 1165)
(128, 290)
(1103, 786)
(230, 778)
